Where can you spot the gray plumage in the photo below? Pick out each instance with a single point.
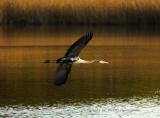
(70, 56)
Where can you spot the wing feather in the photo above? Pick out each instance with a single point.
(76, 47)
(62, 73)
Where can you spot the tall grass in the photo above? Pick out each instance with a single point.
(1, 11)
(80, 12)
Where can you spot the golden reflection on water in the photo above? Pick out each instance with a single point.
(61, 40)
(24, 79)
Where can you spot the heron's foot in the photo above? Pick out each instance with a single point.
(47, 61)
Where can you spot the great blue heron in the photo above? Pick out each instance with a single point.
(70, 57)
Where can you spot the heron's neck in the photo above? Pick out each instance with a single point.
(89, 61)
(79, 60)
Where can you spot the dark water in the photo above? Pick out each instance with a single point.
(127, 87)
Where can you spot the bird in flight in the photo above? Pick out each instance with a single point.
(70, 57)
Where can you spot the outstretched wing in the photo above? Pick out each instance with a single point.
(76, 47)
(62, 73)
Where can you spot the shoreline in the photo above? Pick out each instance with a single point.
(92, 13)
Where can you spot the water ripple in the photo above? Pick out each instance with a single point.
(107, 108)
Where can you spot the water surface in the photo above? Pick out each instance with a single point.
(127, 87)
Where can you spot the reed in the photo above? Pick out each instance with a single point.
(80, 12)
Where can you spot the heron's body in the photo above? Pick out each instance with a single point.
(70, 57)
(67, 60)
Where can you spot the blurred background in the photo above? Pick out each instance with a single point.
(80, 12)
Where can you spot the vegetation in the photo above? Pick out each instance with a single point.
(80, 12)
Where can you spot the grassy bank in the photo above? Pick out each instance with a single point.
(80, 12)
(1, 11)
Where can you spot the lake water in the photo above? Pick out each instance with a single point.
(127, 87)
